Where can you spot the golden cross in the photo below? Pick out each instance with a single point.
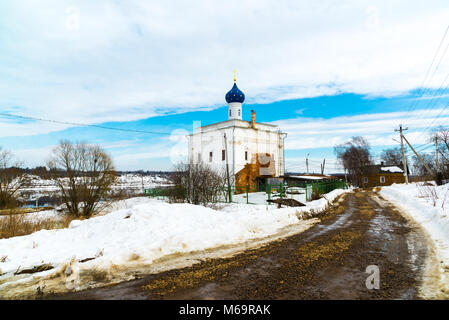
(235, 75)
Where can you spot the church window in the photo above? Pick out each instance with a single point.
(239, 112)
(210, 156)
(246, 155)
(223, 155)
(230, 112)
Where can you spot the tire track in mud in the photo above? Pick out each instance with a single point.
(327, 261)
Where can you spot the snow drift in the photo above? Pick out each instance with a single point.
(428, 205)
(142, 233)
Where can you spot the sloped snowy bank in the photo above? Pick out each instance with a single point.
(146, 230)
(428, 205)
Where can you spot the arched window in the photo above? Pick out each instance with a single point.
(239, 112)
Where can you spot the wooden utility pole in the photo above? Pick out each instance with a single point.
(419, 157)
(404, 159)
(438, 177)
(436, 152)
(307, 163)
(227, 169)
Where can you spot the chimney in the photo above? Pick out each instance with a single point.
(253, 119)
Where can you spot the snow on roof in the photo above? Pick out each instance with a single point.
(391, 169)
(309, 177)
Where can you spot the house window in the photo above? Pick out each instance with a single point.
(210, 156)
(365, 179)
(223, 155)
(382, 179)
(246, 155)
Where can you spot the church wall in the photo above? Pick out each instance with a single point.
(258, 142)
(253, 141)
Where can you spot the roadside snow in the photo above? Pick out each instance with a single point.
(428, 205)
(147, 229)
(55, 215)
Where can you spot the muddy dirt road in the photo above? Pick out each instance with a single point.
(328, 261)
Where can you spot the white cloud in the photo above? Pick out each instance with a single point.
(32, 157)
(378, 129)
(97, 61)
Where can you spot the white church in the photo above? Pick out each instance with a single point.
(253, 152)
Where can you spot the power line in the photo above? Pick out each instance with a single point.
(434, 99)
(421, 91)
(82, 124)
(425, 148)
(437, 117)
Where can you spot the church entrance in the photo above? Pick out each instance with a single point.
(261, 184)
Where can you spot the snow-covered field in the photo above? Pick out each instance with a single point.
(130, 182)
(428, 205)
(138, 231)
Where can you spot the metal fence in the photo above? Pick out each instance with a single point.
(260, 194)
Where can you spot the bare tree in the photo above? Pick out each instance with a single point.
(442, 137)
(391, 156)
(418, 167)
(198, 183)
(355, 156)
(89, 175)
(12, 179)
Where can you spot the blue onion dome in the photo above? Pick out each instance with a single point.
(235, 95)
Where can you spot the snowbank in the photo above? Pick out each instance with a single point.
(428, 205)
(146, 229)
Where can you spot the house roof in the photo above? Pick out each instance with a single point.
(392, 169)
(380, 168)
(309, 177)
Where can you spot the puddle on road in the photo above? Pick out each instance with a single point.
(381, 227)
(342, 220)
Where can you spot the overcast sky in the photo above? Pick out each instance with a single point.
(336, 68)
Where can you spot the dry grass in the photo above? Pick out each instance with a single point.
(17, 224)
(7, 212)
(98, 275)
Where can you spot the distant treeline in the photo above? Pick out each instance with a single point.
(43, 172)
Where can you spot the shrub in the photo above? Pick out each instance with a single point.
(89, 176)
(197, 183)
(12, 179)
